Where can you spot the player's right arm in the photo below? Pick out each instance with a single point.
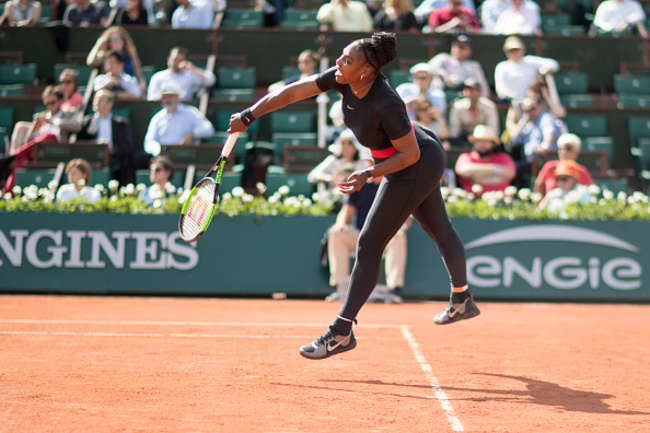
(273, 101)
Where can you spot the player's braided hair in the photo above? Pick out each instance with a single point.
(379, 50)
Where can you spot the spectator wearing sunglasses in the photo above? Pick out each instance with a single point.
(568, 148)
(421, 84)
(73, 100)
(568, 190)
(161, 171)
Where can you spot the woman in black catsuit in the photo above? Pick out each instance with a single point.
(410, 158)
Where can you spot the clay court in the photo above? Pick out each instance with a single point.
(100, 364)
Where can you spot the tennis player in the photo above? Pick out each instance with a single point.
(410, 158)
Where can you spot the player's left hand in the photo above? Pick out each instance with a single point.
(355, 182)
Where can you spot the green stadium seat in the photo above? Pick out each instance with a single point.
(18, 74)
(122, 112)
(290, 71)
(233, 94)
(564, 30)
(568, 84)
(143, 176)
(574, 101)
(100, 177)
(638, 127)
(587, 125)
(554, 20)
(148, 72)
(283, 139)
(297, 183)
(299, 25)
(12, 90)
(238, 18)
(398, 77)
(34, 176)
(293, 14)
(4, 133)
(627, 100)
(604, 144)
(229, 181)
(6, 117)
(293, 121)
(612, 184)
(632, 84)
(46, 13)
(236, 78)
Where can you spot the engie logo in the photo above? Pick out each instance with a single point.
(575, 258)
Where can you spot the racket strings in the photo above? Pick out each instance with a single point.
(199, 211)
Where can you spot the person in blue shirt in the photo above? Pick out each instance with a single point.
(176, 124)
(193, 15)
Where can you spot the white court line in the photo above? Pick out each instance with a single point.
(433, 381)
(176, 323)
(142, 335)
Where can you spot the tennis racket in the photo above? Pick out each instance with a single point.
(200, 205)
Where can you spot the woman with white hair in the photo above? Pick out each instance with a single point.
(568, 148)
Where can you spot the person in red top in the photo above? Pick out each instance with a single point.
(454, 18)
(568, 148)
(486, 165)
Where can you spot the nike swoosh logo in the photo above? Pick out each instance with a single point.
(350, 108)
(331, 347)
(458, 309)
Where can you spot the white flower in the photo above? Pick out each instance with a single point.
(274, 198)
(593, 190)
(16, 190)
(130, 189)
(640, 197)
(607, 194)
(573, 196)
(155, 192)
(284, 190)
(113, 185)
(477, 189)
(622, 197)
(511, 191)
(524, 194)
(171, 189)
(307, 202)
(261, 187)
(226, 196)
(157, 204)
(141, 187)
(247, 198)
(52, 184)
(99, 188)
(444, 190)
(536, 197)
(7, 196)
(238, 191)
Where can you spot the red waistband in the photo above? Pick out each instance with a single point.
(384, 153)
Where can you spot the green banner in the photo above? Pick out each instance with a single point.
(143, 254)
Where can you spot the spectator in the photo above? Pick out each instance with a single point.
(374, 6)
(520, 18)
(161, 171)
(344, 235)
(486, 165)
(116, 38)
(181, 72)
(397, 15)
(347, 156)
(427, 115)
(53, 125)
(103, 126)
(22, 13)
(513, 77)
(454, 18)
(78, 187)
(568, 191)
(193, 14)
(457, 66)
(421, 86)
(69, 85)
(345, 16)
(176, 124)
(124, 86)
(425, 8)
(308, 62)
(337, 126)
(85, 13)
(471, 110)
(133, 13)
(492, 9)
(568, 148)
(619, 17)
(536, 133)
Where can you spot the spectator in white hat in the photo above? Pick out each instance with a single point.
(421, 85)
(176, 124)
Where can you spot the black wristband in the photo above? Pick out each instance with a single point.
(247, 117)
(368, 173)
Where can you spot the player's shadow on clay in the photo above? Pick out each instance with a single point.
(537, 392)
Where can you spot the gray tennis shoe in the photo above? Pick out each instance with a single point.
(329, 344)
(456, 311)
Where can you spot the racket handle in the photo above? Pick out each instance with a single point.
(230, 143)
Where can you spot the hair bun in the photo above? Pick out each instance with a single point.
(384, 45)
